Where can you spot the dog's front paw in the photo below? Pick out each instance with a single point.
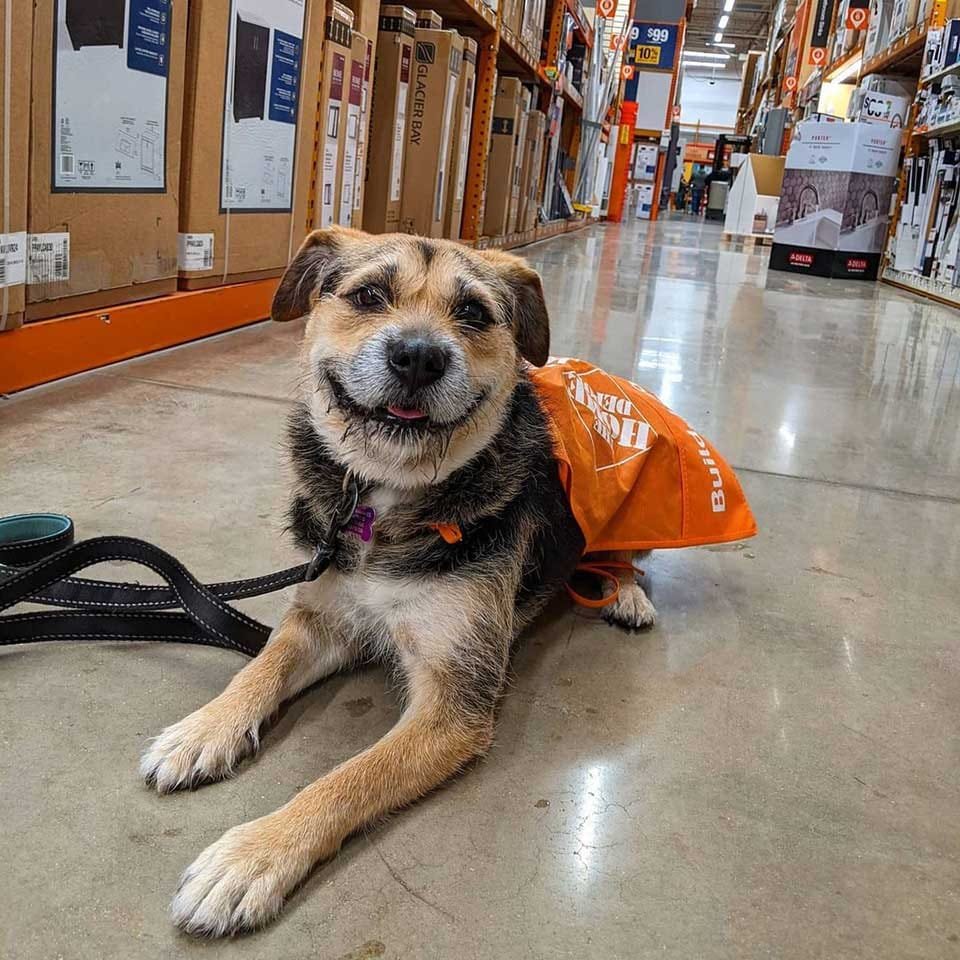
(202, 747)
(239, 883)
(632, 609)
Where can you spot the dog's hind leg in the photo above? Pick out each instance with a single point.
(208, 743)
(240, 882)
(632, 609)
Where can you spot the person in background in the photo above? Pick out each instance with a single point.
(699, 184)
(680, 201)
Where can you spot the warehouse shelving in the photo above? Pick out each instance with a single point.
(47, 350)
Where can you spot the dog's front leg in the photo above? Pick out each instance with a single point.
(208, 743)
(240, 882)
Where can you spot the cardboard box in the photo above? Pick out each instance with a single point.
(429, 20)
(335, 94)
(363, 135)
(14, 152)
(500, 164)
(248, 153)
(513, 15)
(350, 146)
(438, 56)
(521, 139)
(388, 119)
(460, 140)
(102, 207)
(532, 165)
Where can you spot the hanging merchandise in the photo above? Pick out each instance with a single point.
(834, 202)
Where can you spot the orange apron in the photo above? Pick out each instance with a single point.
(637, 476)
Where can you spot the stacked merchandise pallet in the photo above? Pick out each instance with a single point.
(119, 236)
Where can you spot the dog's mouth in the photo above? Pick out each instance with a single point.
(398, 416)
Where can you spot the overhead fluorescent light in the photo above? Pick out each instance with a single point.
(723, 21)
(728, 6)
(705, 54)
(726, 46)
(709, 64)
(718, 36)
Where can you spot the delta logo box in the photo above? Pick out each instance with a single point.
(835, 201)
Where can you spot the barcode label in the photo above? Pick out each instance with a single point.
(66, 165)
(194, 251)
(48, 257)
(13, 258)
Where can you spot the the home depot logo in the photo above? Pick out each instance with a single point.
(801, 259)
(718, 500)
(610, 416)
(426, 52)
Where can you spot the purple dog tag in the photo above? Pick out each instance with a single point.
(361, 523)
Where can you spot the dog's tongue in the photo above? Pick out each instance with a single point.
(406, 413)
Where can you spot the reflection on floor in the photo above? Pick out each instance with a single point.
(772, 771)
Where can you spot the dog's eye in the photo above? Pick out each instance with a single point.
(366, 298)
(472, 314)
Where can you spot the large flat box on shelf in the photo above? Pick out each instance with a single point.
(393, 66)
(14, 151)
(460, 140)
(248, 137)
(334, 109)
(503, 143)
(102, 208)
(437, 61)
(532, 165)
(363, 132)
(521, 138)
(835, 199)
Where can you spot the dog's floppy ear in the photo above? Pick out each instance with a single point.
(531, 323)
(312, 271)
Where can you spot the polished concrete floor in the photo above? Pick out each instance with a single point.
(772, 771)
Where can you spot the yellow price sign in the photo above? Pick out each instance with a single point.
(647, 55)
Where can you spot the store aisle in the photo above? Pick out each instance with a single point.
(773, 770)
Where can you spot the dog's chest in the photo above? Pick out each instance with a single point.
(399, 609)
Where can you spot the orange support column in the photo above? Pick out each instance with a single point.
(476, 187)
(621, 162)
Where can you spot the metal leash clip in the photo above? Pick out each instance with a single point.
(342, 515)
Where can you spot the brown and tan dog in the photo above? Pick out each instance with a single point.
(413, 383)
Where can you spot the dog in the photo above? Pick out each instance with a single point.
(414, 384)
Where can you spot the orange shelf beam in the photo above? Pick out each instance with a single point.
(40, 352)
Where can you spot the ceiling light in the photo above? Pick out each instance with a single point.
(723, 21)
(707, 64)
(727, 46)
(717, 37)
(704, 54)
(728, 6)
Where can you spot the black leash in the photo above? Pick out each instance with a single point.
(38, 557)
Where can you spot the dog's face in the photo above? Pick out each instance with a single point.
(412, 348)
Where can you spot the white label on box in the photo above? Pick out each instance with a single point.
(13, 258)
(361, 172)
(110, 64)
(194, 251)
(400, 127)
(452, 83)
(48, 257)
(264, 58)
(465, 122)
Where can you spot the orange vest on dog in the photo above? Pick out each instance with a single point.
(637, 476)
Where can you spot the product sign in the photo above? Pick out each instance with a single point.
(650, 46)
(822, 20)
(264, 58)
(110, 66)
(858, 14)
(607, 8)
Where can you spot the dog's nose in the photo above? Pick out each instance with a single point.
(417, 362)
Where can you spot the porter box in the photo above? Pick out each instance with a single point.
(835, 200)
(363, 134)
(388, 120)
(350, 146)
(334, 108)
(437, 59)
